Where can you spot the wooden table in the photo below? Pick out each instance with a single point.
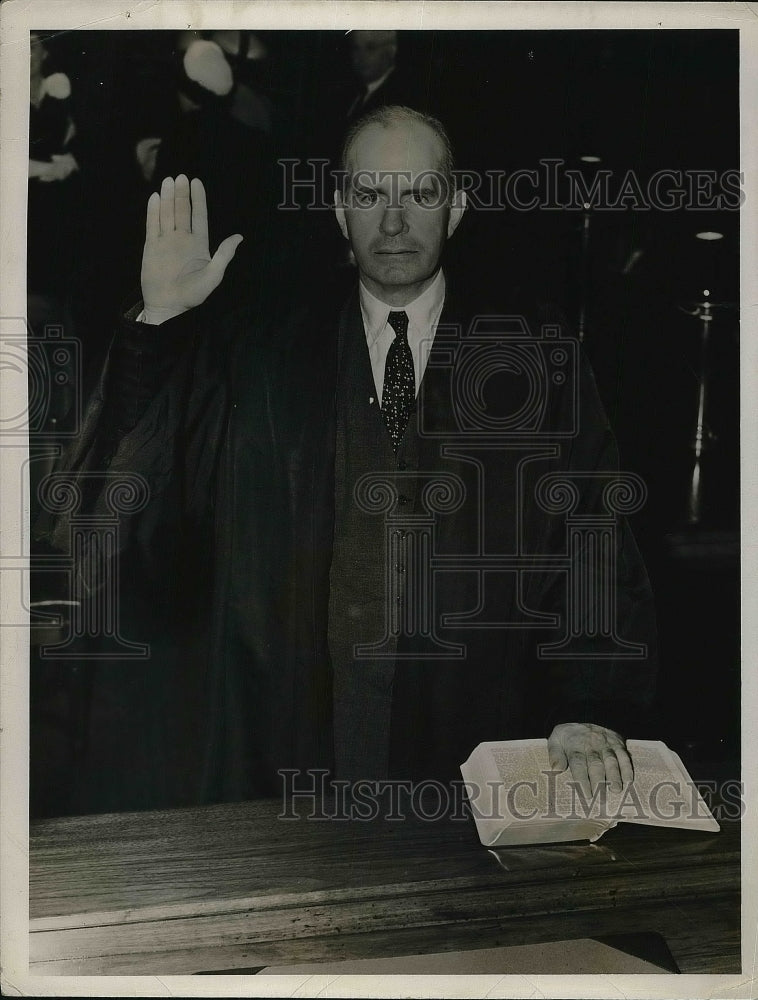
(234, 887)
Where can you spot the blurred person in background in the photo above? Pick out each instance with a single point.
(373, 60)
(54, 189)
(208, 140)
(247, 55)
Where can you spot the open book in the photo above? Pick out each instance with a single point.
(516, 798)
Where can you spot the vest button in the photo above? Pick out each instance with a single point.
(402, 465)
(399, 568)
(403, 498)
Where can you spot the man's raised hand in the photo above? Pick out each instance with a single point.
(178, 271)
(594, 754)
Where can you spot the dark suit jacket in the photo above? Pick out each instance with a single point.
(234, 550)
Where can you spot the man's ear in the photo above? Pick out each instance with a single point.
(339, 211)
(457, 208)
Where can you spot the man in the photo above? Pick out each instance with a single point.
(372, 57)
(272, 445)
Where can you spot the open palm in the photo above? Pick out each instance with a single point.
(178, 271)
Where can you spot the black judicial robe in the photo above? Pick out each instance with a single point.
(226, 568)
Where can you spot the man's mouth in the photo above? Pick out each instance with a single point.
(395, 252)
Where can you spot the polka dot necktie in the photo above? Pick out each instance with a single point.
(399, 390)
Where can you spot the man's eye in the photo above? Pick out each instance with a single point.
(365, 198)
(424, 197)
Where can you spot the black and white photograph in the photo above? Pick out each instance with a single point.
(377, 439)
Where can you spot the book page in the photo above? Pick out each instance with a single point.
(663, 792)
(513, 783)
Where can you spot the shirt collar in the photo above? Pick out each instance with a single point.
(423, 312)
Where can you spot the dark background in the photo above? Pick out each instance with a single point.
(638, 100)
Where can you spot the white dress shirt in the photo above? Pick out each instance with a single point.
(423, 316)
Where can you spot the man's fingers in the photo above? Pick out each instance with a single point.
(167, 205)
(625, 766)
(556, 754)
(612, 772)
(153, 217)
(199, 208)
(182, 212)
(578, 765)
(595, 754)
(221, 258)
(617, 745)
(226, 251)
(595, 769)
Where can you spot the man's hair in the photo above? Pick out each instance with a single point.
(398, 114)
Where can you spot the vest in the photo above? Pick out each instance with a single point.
(368, 571)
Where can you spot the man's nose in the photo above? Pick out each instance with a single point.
(393, 221)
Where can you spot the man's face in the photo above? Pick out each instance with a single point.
(372, 53)
(395, 211)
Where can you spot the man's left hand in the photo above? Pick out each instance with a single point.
(594, 754)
